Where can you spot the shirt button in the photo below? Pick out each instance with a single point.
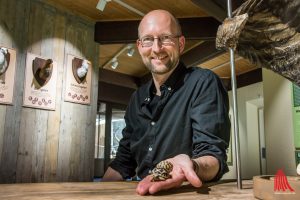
(150, 149)
(152, 123)
(169, 88)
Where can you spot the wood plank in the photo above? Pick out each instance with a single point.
(28, 142)
(114, 11)
(125, 190)
(112, 32)
(92, 50)
(8, 163)
(217, 8)
(5, 40)
(40, 134)
(67, 129)
(51, 151)
(212, 9)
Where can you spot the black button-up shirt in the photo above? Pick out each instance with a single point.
(190, 117)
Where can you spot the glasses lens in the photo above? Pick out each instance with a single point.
(166, 39)
(147, 41)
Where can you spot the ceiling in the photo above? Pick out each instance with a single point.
(116, 27)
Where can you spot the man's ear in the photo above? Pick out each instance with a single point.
(138, 44)
(181, 44)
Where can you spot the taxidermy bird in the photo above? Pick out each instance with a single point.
(82, 71)
(46, 71)
(266, 32)
(3, 60)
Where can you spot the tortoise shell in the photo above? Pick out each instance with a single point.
(162, 171)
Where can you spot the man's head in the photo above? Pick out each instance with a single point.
(160, 41)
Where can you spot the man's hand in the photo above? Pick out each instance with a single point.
(182, 171)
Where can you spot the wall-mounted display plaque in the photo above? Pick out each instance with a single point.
(40, 82)
(78, 80)
(7, 74)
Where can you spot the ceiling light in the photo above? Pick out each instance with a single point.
(101, 4)
(130, 52)
(114, 63)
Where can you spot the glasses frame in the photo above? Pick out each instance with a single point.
(172, 37)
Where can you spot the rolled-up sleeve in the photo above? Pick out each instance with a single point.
(210, 121)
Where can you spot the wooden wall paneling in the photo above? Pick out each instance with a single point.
(31, 119)
(11, 28)
(47, 35)
(82, 110)
(41, 145)
(92, 109)
(51, 152)
(74, 129)
(13, 126)
(78, 142)
(67, 131)
(24, 169)
(5, 40)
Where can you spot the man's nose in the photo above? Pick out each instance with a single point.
(157, 45)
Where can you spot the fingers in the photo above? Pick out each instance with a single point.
(164, 185)
(144, 185)
(147, 186)
(192, 177)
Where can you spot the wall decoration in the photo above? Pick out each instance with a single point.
(7, 74)
(78, 80)
(40, 82)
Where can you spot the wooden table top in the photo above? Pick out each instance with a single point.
(120, 190)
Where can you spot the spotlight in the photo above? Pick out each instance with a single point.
(114, 63)
(130, 52)
(101, 4)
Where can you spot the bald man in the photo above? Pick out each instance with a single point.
(181, 115)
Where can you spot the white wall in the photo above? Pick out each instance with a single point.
(278, 124)
(274, 96)
(244, 94)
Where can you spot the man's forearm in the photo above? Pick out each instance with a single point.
(206, 167)
(112, 175)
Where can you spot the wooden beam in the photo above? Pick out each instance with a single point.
(247, 78)
(201, 53)
(212, 9)
(119, 79)
(114, 93)
(217, 8)
(113, 32)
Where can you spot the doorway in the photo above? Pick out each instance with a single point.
(256, 153)
(109, 125)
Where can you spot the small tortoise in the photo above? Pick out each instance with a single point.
(162, 171)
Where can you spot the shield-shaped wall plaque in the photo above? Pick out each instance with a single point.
(42, 70)
(77, 63)
(5, 63)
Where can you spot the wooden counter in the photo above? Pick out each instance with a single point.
(120, 190)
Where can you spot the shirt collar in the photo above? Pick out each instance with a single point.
(173, 82)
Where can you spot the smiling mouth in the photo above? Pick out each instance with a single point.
(159, 57)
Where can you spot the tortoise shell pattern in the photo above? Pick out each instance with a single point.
(162, 171)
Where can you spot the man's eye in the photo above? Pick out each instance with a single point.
(166, 38)
(147, 39)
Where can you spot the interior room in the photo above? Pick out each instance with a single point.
(67, 130)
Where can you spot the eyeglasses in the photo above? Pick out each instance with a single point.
(147, 41)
